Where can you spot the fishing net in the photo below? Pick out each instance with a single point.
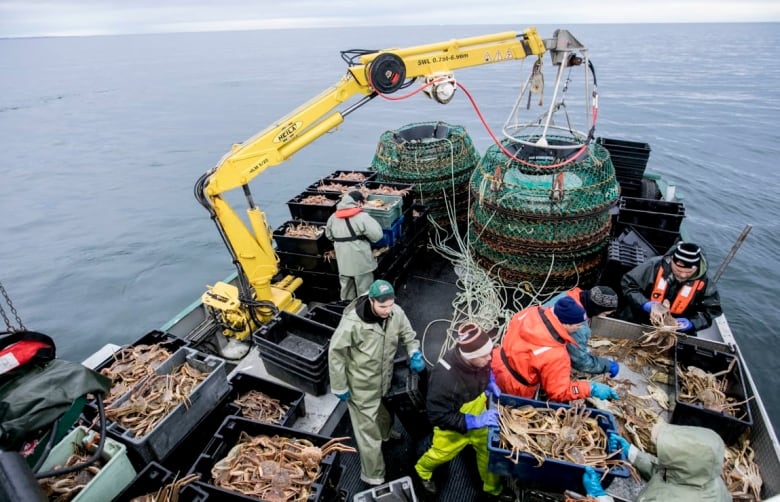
(542, 225)
(437, 157)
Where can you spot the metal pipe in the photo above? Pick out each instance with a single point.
(731, 254)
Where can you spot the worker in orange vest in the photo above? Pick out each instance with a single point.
(533, 353)
(680, 276)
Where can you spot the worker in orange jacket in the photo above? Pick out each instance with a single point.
(533, 352)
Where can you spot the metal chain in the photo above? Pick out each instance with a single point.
(11, 327)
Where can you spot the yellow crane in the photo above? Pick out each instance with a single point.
(241, 309)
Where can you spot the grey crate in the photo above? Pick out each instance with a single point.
(182, 419)
(388, 213)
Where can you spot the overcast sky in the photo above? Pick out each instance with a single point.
(100, 17)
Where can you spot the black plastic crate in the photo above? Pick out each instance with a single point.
(339, 187)
(728, 427)
(242, 383)
(153, 477)
(315, 386)
(405, 190)
(302, 245)
(227, 437)
(406, 399)
(324, 315)
(295, 338)
(633, 238)
(338, 174)
(313, 212)
(621, 145)
(651, 213)
(553, 475)
(313, 262)
(628, 255)
(315, 373)
(661, 240)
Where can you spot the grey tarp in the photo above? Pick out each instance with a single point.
(35, 396)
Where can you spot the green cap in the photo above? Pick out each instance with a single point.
(381, 290)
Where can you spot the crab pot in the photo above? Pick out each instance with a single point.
(729, 427)
(553, 475)
(227, 436)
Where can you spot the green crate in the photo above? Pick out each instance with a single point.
(113, 476)
(388, 213)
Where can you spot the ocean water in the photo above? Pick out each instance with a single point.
(103, 138)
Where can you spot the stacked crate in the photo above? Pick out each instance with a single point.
(629, 159)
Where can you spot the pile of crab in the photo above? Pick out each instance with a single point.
(258, 406)
(709, 389)
(130, 365)
(168, 492)
(568, 434)
(304, 230)
(154, 398)
(273, 468)
(65, 487)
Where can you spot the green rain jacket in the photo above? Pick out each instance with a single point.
(360, 356)
(353, 254)
(687, 469)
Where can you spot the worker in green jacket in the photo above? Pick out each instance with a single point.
(352, 231)
(360, 359)
(687, 469)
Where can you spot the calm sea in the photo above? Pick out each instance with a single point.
(102, 139)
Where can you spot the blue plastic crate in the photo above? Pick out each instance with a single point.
(391, 235)
(553, 475)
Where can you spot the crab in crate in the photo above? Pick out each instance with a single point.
(709, 389)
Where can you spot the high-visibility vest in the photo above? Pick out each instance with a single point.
(684, 296)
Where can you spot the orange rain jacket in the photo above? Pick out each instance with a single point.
(532, 353)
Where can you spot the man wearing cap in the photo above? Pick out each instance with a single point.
(352, 231)
(533, 353)
(457, 408)
(680, 277)
(599, 301)
(360, 364)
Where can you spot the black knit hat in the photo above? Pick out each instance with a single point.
(356, 196)
(687, 255)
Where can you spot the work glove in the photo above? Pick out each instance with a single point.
(601, 391)
(484, 419)
(683, 324)
(616, 442)
(648, 306)
(592, 482)
(492, 387)
(416, 362)
(344, 396)
(614, 368)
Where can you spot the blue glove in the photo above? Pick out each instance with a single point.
(648, 306)
(492, 387)
(614, 368)
(592, 482)
(484, 419)
(416, 362)
(344, 396)
(616, 442)
(601, 391)
(683, 324)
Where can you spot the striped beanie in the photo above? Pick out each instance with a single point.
(473, 342)
(687, 255)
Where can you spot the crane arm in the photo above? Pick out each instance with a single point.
(382, 71)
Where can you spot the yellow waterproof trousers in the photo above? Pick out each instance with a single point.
(447, 444)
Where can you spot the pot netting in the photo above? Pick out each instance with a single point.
(437, 157)
(546, 226)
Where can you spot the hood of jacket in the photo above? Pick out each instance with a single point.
(346, 202)
(691, 455)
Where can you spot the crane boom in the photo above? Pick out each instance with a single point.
(384, 72)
